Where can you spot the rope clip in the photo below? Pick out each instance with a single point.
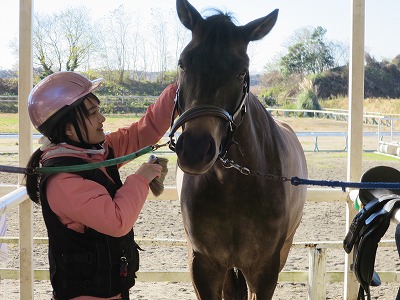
(158, 146)
(228, 164)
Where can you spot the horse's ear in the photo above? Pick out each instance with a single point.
(188, 15)
(257, 29)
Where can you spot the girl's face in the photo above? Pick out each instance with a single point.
(94, 123)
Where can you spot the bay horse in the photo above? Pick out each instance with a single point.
(239, 214)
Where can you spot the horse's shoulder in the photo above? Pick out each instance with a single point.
(283, 125)
(259, 109)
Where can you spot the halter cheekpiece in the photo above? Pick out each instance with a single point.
(210, 110)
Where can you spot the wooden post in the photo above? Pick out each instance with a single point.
(317, 273)
(355, 127)
(25, 75)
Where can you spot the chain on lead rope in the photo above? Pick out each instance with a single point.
(296, 181)
(228, 164)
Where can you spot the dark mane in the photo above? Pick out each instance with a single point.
(218, 28)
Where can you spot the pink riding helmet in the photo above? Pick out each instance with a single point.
(58, 92)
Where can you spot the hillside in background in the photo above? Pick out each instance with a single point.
(313, 91)
(328, 89)
(382, 80)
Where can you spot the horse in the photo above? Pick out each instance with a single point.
(239, 211)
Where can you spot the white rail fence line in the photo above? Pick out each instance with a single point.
(316, 276)
(385, 123)
(389, 146)
(338, 115)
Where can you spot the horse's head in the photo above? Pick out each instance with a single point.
(213, 84)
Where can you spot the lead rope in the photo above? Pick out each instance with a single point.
(84, 167)
(229, 164)
(343, 184)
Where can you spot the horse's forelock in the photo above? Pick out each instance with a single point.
(213, 13)
(215, 38)
(211, 57)
(217, 27)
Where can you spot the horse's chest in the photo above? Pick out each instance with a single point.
(222, 220)
(232, 200)
(225, 217)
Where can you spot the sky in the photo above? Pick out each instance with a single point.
(382, 24)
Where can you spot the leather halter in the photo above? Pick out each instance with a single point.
(210, 110)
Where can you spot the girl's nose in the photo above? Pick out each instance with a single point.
(102, 118)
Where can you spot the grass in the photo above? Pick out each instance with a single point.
(330, 163)
(9, 122)
(371, 106)
(379, 157)
(113, 122)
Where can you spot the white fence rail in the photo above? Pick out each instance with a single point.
(391, 145)
(316, 276)
(338, 115)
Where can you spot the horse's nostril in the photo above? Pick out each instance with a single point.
(210, 147)
(195, 151)
(210, 152)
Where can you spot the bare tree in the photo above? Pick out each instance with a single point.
(146, 58)
(182, 36)
(42, 27)
(62, 41)
(340, 53)
(136, 42)
(79, 36)
(116, 40)
(159, 30)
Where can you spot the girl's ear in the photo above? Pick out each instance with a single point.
(70, 130)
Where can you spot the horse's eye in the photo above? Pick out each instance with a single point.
(241, 75)
(180, 65)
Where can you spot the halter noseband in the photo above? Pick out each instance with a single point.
(210, 110)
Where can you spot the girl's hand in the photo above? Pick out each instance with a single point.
(149, 171)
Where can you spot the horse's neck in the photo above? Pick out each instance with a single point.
(258, 119)
(258, 128)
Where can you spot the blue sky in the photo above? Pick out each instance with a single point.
(382, 23)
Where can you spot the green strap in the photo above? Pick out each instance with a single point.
(96, 165)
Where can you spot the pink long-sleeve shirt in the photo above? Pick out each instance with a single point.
(81, 203)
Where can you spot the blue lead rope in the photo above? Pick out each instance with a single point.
(342, 184)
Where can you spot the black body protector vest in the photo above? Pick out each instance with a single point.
(89, 263)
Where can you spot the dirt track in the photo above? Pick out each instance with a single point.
(162, 219)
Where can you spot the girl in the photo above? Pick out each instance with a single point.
(89, 215)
